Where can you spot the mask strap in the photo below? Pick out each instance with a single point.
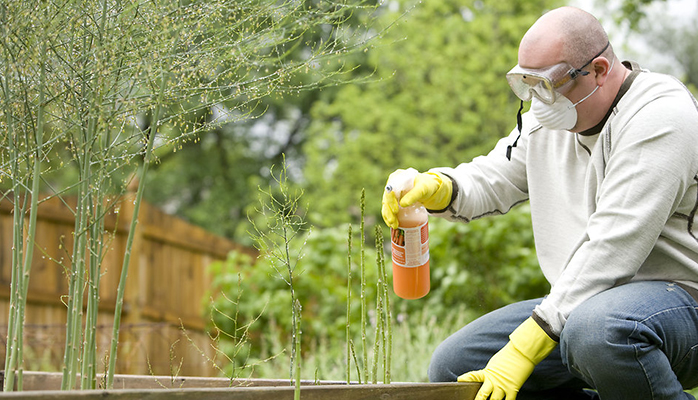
(519, 125)
(585, 97)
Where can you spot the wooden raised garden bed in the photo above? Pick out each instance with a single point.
(44, 386)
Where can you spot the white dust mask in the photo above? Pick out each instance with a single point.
(562, 114)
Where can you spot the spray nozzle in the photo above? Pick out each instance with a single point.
(401, 181)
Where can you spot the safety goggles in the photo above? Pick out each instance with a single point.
(546, 83)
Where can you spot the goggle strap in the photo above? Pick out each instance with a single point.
(575, 72)
(519, 126)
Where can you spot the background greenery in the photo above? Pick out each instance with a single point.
(435, 96)
(427, 90)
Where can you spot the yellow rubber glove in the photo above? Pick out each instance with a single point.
(389, 209)
(432, 189)
(511, 366)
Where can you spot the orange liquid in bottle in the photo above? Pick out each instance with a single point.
(410, 253)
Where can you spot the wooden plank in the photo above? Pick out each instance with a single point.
(399, 391)
(35, 380)
(159, 226)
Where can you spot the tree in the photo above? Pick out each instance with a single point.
(677, 42)
(92, 91)
(212, 180)
(441, 99)
(652, 34)
(633, 11)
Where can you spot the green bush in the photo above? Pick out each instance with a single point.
(485, 264)
(320, 285)
(475, 268)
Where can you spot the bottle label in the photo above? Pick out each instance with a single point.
(410, 246)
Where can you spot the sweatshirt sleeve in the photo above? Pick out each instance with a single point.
(490, 184)
(650, 162)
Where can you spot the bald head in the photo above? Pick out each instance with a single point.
(574, 36)
(564, 34)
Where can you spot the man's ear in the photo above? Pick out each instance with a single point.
(602, 69)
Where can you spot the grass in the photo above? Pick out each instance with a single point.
(414, 339)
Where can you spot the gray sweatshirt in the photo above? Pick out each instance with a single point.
(607, 208)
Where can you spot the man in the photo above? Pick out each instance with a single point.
(608, 159)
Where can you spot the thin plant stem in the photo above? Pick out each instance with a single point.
(85, 217)
(356, 362)
(131, 233)
(363, 291)
(16, 283)
(295, 317)
(91, 279)
(15, 319)
(15, 186)
(283, 226)
(89, 358)
(384, 293)
(18, 224)
(348, 331)
(378, 332)
(17, 354)
(297, 344)
(77, 274)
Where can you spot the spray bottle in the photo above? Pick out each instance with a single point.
(409, 242)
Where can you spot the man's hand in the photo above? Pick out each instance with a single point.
(389, 209)
(511, 366)
(432, 189)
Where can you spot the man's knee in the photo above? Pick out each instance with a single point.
(446, 363)
(471, 347)
(440, 369)
(583, 339)
(458, 354)
(594, 335)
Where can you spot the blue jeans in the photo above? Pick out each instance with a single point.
(635, 341)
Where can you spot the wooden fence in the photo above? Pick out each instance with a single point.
(167, 289)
